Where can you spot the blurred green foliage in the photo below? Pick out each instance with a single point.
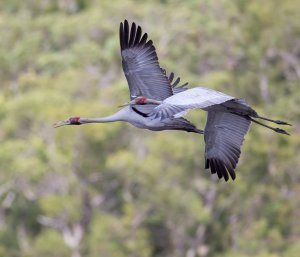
(115, 190)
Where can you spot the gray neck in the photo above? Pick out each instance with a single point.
(118, 116)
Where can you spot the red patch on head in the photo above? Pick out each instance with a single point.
(75, 120)
(141, 100)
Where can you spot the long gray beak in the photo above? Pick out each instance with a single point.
(126, 104)
(61, 123)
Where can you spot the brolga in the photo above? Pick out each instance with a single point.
(158, 102)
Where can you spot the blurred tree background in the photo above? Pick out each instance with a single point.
(115, 190)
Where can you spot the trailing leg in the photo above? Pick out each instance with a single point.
(280, 122)
(278, 130)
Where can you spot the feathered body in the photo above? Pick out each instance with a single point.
(130, 115)
(159, 102)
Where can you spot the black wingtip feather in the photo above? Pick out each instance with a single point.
(223, 169)
(149, 43)
(214, 161)
(126, 34)
(121, 35)
(132, 34)
(171, 77)
(144, 39)
(184, 85)
(176, 82)
(206, 164)
(230, 171)
(138, 35)
(212, 167)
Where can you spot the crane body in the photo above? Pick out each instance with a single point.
(159, 102)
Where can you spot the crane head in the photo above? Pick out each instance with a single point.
(140, 100)
(70, 121)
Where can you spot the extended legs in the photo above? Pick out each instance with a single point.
(278, 130)
(280, 122)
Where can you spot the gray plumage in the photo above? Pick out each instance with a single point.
(179, 104)
(140, 64)
(228, 121)
(159, 102)
(223, 135)
(146, 78)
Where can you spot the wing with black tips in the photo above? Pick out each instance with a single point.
(140, 64)
(224, 135)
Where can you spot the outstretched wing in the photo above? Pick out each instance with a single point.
(224, 135)
(179, 104)
(140, 64)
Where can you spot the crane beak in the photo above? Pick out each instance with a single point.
(61, 123)
(123, 105)
(126, 104)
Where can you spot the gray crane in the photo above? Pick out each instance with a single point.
(158, 103)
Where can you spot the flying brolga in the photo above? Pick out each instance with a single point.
(158, 102)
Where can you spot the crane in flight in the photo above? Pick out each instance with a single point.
(159, 102)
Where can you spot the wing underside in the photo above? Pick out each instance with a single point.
(224, 135)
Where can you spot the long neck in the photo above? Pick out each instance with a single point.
(118, 116)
